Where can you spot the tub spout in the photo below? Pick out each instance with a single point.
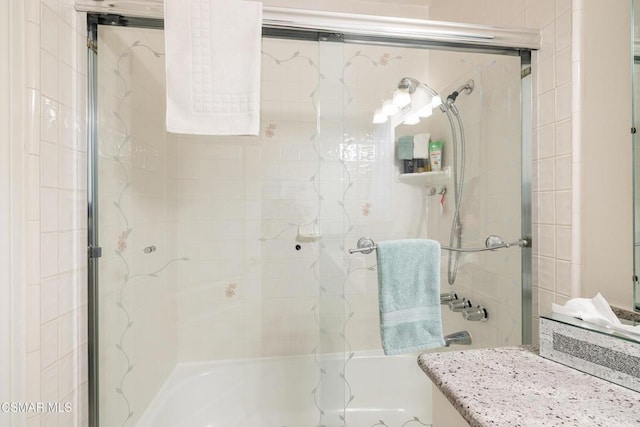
(460, 338)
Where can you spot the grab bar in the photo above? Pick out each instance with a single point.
(493, 242)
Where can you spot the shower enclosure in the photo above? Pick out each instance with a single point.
(222, 290)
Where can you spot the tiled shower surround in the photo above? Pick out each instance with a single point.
(226, 277)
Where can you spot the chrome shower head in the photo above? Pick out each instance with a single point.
(408, 84)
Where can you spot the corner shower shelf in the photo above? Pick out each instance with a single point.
(423, 178)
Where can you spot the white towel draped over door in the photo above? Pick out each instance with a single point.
(213, 50)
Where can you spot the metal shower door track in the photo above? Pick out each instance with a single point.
(354, 27)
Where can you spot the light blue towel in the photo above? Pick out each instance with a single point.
(409, 291)
(405, 148)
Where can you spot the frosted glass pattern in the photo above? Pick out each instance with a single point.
(225, 259)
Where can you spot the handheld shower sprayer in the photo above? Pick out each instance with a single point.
(410, 85)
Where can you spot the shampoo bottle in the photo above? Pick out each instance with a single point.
(435, 155)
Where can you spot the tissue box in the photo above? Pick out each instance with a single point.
(591, 349)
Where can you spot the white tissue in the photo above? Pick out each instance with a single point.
(421, 145)
(596, 311)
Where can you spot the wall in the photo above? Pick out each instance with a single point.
(554, 160)
(5, 220)
(49, 99)
(11, 222)
(553, 185)
(59, 94)
(606, 227)
(251, 194)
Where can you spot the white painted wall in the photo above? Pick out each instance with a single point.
(5, 206)
(43, 206)
(12, 324)
(605, 141)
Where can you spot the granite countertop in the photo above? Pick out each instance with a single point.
(513, 386)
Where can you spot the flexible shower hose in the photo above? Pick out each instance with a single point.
(455, 236)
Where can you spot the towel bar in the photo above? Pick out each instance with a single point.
(366, 245)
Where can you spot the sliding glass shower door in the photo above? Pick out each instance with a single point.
(226, 292)
(211, 245)
(141, 260)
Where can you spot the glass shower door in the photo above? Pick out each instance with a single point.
(211, 261)
(363, 193)
(138, 327)
(226, 288)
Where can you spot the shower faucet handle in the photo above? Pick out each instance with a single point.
(475, 314)
(448, 297)
(459, 305)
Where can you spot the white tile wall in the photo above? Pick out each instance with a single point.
(55, 269)
(239, 201)
(491, 196)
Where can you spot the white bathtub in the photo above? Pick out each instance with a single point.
(278, 392)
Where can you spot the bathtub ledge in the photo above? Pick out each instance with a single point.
(514, 386)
